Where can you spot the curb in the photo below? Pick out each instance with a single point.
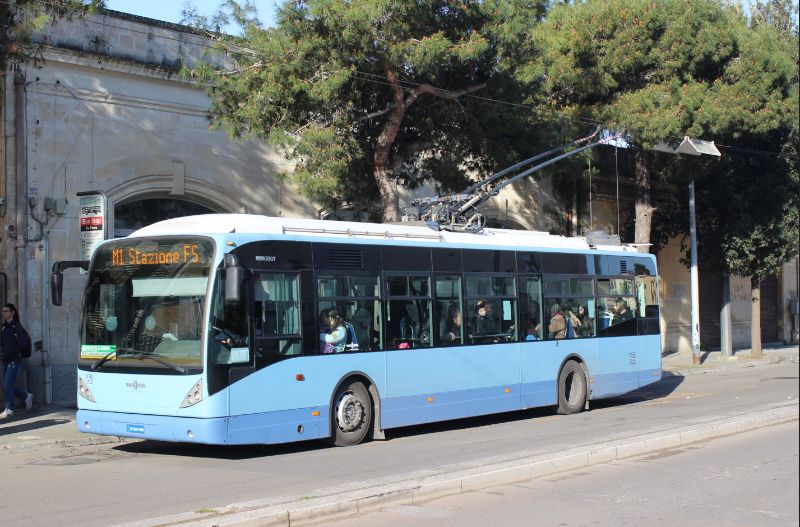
(29, 446)
(338, 503)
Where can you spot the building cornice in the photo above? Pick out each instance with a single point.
(170, 26)
(92, 60)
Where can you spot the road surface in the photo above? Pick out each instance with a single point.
(114, 484)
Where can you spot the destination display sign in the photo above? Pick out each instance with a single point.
(151, 252)
(186, 253)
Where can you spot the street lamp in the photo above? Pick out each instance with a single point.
(695, 147)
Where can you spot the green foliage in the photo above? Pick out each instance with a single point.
(664, 70)
(759, 216)
(21, 19)
(319, 86)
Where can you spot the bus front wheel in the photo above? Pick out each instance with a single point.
(571, 388)
(352, 414)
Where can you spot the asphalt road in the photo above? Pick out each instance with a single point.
(750, 479)
(114, 484)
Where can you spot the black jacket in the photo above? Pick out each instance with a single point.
(11, 339)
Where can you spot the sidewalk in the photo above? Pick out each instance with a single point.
(710, 361)
(47, 427)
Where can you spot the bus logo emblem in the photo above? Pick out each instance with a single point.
(136, 385)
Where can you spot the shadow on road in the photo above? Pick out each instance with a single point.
(235, 452)
(666, 386)
(31, 426)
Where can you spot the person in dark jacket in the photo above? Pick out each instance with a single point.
(487, 326)
(12, 339)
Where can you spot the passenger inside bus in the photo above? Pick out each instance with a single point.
(487, 326)
(451, 333)
(557, 329)
(621, 311)
(333, 333)
(362, 324)
(533, 330)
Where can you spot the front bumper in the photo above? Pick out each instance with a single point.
(213, 431)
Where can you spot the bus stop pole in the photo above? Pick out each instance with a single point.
(726, 340)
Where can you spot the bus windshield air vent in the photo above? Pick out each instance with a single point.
(346, 259)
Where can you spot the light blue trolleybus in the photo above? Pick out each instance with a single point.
(239, 329)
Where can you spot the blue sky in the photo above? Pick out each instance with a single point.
(170, 10)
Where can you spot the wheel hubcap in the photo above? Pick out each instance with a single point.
(349, 412)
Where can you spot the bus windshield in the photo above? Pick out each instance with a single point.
(144, 306)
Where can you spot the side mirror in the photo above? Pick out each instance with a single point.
(235, 276)
(56, 287)
(57, 277)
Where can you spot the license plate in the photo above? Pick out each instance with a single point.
(136, 429)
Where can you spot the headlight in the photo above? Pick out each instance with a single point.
(84, 390)
(194, 396)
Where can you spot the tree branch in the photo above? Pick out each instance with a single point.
(378, 113)
(254, 66)
(427, 89)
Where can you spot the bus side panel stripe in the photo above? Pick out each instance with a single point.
(411, 410)
(612, 384)
(278, 427)
(536, 394)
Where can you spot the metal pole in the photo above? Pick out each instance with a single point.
(20, 138)
(695, 282)
(725, 318)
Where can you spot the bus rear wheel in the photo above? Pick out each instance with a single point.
(571, 388)
(352, 414)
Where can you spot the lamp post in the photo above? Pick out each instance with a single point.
(694, 279)
(695, 147)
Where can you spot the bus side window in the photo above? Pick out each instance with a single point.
(531, 314)
(408, 319)
(356, 299)
(449, 313)
(277, 317)
(617, 307)
(647, 297)
(491, 309)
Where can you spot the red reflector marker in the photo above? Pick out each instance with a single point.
(299, 377)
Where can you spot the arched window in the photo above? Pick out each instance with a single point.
(136, 214)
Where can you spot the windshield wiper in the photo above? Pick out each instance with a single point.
(107, 357)
(138, 354)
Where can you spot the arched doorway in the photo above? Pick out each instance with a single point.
(135, 214)
(500, 224)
